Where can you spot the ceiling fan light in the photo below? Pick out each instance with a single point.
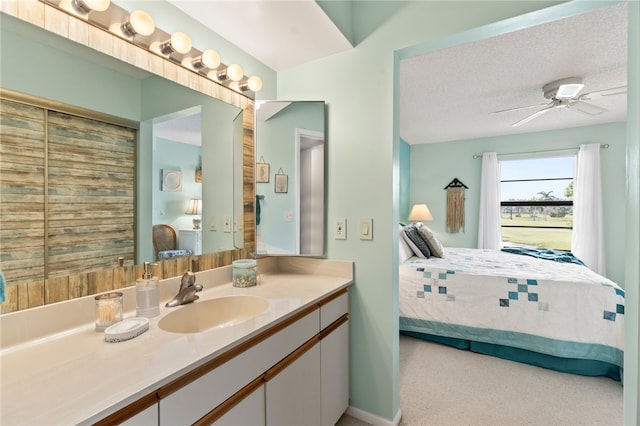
(568, 91)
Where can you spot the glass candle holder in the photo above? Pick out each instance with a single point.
(243, 273)
(108, 309)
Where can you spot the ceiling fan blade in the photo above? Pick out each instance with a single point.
(606, 92)
(532, 116)
(520, 108)
(586, 108)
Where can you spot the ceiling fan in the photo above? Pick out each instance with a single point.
(565, 94)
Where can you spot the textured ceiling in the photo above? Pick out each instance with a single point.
(448, 94)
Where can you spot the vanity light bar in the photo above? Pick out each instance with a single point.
(139, 28)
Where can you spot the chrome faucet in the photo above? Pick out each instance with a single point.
(187, 292)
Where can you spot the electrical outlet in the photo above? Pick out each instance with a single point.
(227, 224)
(341, 228)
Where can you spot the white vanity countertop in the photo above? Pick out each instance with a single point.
(74, 376)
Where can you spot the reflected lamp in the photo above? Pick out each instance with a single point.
(195, 209)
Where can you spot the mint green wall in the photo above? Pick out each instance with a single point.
(169, 206)
(363, 179)
(434, 165)
(404, 167)
(276, 145)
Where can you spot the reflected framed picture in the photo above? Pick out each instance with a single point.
(171, 180)
(282, 183)
(262, 172)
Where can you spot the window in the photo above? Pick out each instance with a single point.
(537, 201)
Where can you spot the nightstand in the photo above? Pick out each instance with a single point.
(190, 239)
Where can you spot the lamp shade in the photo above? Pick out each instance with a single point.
(195, 207)
(420, 212)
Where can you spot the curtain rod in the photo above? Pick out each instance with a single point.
(476, 156)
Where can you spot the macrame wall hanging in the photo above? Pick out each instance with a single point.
(455, 205)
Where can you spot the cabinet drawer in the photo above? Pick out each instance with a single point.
(194, 400)
(334, 309)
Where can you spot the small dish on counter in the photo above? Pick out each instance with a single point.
(126, 330)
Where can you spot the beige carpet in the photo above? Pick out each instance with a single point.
(440, 385)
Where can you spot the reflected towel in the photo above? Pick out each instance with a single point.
(258, 198)
(2, 283)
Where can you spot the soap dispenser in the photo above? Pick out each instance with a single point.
(147, 294)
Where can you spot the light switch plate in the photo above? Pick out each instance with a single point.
(341, 228)
(366, 228)
(213, 224)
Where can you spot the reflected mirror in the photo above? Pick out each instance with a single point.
(82, 78)
(290, 178)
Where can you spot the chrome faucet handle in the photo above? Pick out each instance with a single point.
(187, 292)
(188, 280)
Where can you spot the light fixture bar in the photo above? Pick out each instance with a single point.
(139, 28)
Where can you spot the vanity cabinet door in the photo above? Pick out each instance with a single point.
(293, 394)
(144, 418)
(248, 412)
(334, 372)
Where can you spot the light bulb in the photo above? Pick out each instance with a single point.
(254, 83)
(234, 72)
(140, 22)
(209, 59)
(86, 6)
(179, 42)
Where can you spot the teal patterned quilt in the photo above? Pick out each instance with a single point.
(559, 309)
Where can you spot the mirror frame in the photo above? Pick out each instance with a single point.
(26, 295)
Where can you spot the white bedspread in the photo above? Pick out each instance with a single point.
(489, 296)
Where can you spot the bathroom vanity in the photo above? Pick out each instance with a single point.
(281, 360)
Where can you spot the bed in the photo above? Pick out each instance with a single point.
(560, 316)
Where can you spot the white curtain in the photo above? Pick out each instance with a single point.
(587, 241)
(489, 235)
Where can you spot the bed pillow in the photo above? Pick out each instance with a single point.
(404, 252)
(436, 248)
(416, 242)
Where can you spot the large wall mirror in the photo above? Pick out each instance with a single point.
(290, 178)
(190, 145)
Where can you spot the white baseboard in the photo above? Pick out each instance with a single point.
(372, 419)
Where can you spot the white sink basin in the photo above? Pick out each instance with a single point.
(213, 313)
